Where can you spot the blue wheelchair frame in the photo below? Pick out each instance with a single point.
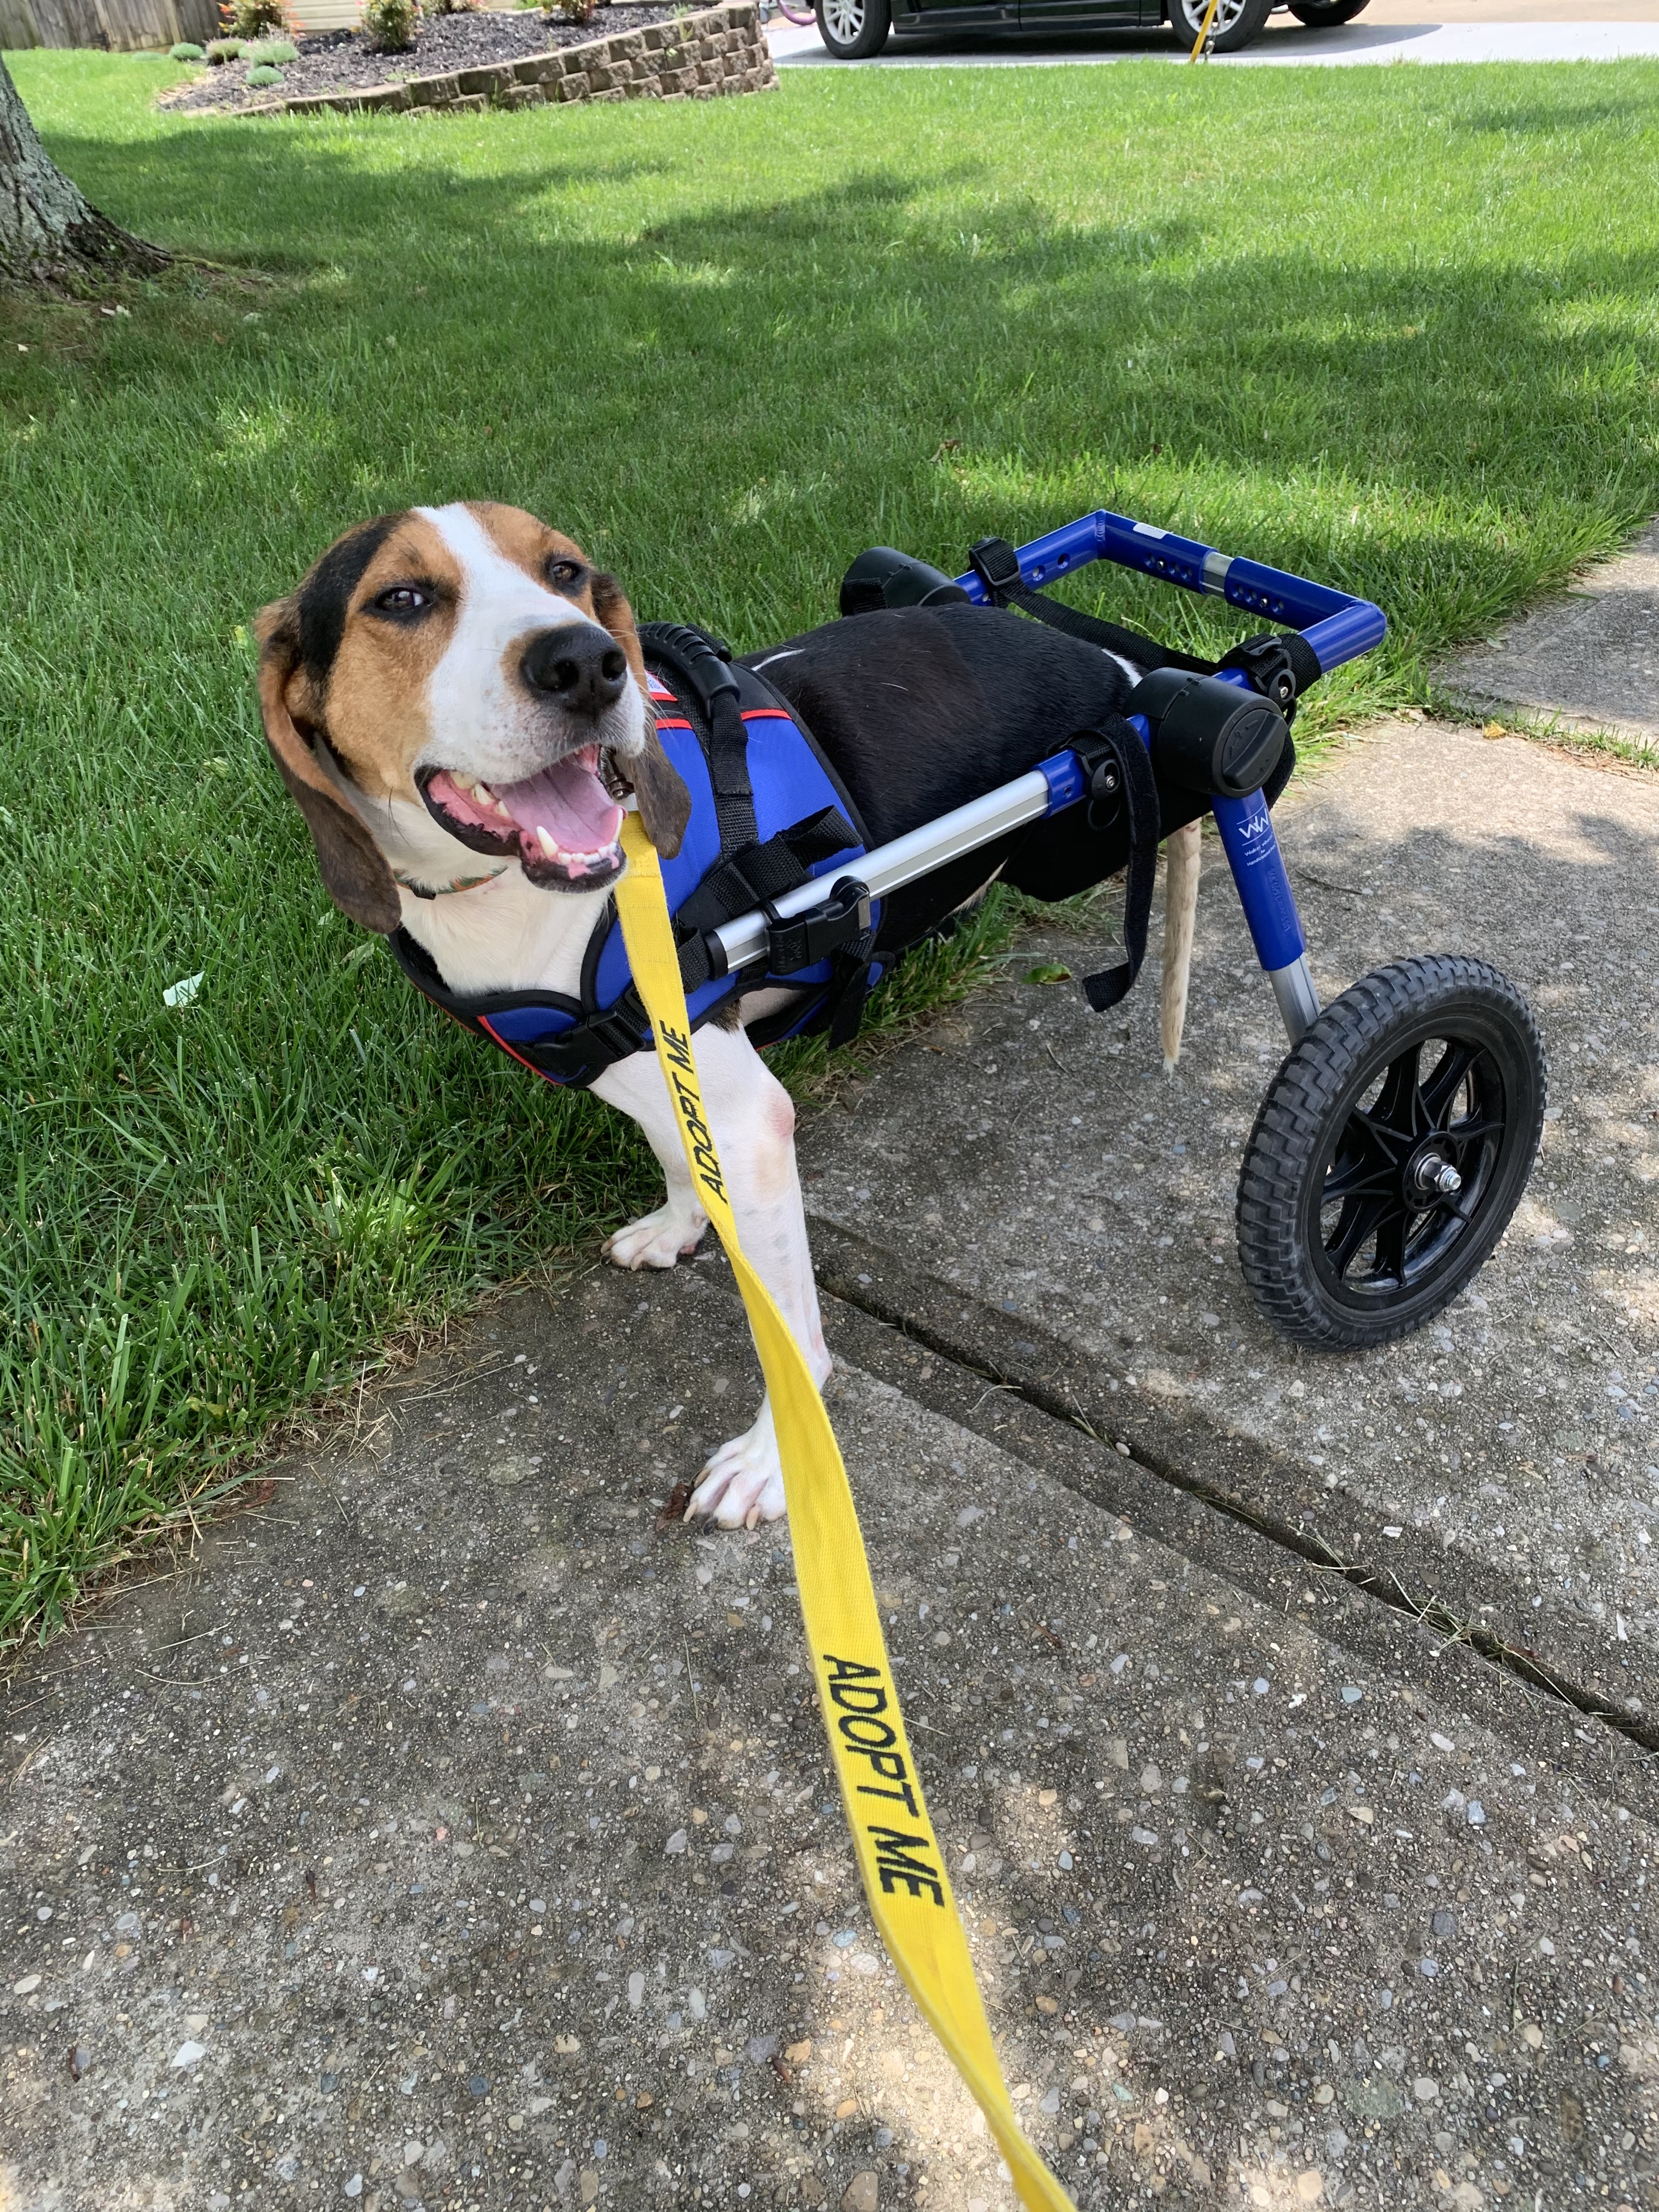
(1337, 627)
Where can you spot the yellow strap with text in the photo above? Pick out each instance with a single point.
(898, 1854)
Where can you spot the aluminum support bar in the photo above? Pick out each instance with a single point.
(1298, 1001)
(890, 867)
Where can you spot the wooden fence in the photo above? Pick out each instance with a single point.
(121, 26)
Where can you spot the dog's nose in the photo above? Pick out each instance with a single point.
(581, 667)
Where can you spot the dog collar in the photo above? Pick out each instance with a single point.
(443, 891)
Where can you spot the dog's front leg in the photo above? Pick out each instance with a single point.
(753, 1120)
(673, 1230)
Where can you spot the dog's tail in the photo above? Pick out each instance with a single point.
(1180, 918)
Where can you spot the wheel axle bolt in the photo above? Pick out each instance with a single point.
(1446, 1180)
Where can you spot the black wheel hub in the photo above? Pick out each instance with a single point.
(1408, 1171)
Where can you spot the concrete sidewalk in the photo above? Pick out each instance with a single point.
(450, 1834)
(1028, 1189)
(451, 1837)
(1585, 660)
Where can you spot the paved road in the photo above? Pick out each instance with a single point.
(1285, 44)
(447, 1833)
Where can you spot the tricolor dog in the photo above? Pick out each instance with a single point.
(459, 704)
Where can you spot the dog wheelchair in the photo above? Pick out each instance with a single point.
(1394, 1142)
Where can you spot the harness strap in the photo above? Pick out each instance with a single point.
(1280, 664)
(703, 663)
(1120, 783)
(996, 564)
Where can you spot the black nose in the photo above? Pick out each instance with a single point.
(581, 667)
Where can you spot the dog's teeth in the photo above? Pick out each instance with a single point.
(483, 794)
(547, 844)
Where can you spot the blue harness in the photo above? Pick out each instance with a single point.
(767, 813)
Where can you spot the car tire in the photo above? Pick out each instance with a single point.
(854, 30)
(1237, 22)
(1325, 15)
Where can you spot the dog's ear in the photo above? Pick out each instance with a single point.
(354, 869)
(665, 802)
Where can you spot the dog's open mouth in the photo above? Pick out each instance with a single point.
(563, 824)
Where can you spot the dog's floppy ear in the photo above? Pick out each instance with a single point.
(665, 802)
(354, 869)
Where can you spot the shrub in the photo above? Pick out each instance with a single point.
(266, 53)
(223, 50)
(183, 52)
(459, 7)
(577, 11)
(247, 18)
(389, 25)
(264, 74)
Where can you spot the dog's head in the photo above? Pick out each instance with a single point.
(472, 661)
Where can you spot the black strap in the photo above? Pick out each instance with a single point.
(996, 564)
(753, 878)
(1121, 784)
(1280, 664)
(702, 664)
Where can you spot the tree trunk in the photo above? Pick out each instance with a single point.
(49, 233)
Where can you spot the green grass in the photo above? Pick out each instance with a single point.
(1394, 328)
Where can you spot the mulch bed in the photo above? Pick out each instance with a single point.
(341, 61)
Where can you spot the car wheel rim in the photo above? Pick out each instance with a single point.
(1226, 15)
(843, 20)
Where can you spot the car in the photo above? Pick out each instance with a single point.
(853, 30)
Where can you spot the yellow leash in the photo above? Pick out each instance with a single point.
(898, 1854)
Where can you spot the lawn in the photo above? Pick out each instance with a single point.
(1394, 328)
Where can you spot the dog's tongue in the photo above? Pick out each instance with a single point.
(566, 803)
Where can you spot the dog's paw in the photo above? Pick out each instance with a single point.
(742, 1482)
(658, 1239)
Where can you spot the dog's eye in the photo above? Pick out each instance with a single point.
(404, 599)
(564, 575)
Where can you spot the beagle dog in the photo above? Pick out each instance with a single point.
(456, 700)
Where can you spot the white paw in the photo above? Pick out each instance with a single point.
(657, 1240)
(742, 1482)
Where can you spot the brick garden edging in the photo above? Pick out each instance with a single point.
(699, 56)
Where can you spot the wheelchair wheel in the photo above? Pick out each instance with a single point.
(1390, 1151)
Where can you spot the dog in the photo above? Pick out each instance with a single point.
(457, 700)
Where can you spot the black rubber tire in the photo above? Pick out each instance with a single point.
(1310, 1112)
(1326, 14)
(1187, 19)
(871, 36)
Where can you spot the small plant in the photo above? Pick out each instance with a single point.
(184, 51)
(250, 19)
(459, 7)
(577, 11)
(389, 25)
(263, 75)
(266, 53)
(219, 50)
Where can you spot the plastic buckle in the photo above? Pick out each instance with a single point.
(1104, 791)
(1267, 664)
(617, 1034)
(996, 564)
(801, 940)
